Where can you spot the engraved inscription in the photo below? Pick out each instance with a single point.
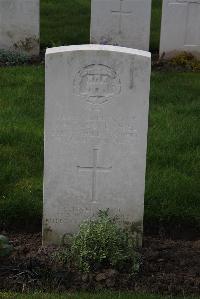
(121, 13)
(54, 220)
(124, 130)
(97, 83)
(89, 211)
(94, 168)
(96, 130)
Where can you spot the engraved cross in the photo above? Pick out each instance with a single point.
(121, 13)
(94, 169)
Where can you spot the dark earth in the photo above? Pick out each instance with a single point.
(168, 267)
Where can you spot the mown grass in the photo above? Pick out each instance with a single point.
(87, 296)
(65, 22)
(21, 145)
(155, 25)
(173, 162)
(68, 22)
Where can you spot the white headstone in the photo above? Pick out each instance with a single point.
(96, 122)
(121, 22)
(19, 26)
(180, 30)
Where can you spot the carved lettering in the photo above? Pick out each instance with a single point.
(97, 130)
(54, 221)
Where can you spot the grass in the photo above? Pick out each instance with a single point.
(155, 25)
(68, 22)
(172, 183)
(65, 22)
(21, 145)
(88, 296)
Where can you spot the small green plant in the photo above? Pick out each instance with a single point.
(101, 243)
(12, 58)
(186, 60)
(5, 247)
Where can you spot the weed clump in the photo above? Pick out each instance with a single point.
(186, 60)
(10, 58)
(101, 243)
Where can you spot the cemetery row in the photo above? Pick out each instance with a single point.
(115, 22)
(97, 101)
(95, 149)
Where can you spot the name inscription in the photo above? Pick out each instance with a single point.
(68, 212)
(116, 131)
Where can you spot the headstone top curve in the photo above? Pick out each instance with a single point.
(95, 47)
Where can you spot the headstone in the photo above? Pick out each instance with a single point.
(121, 22)
(180, 30)
(96, 122)
(19, 26)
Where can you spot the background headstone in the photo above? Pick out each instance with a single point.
(96, 122)
(121, 22)
(180, 29)
(19, 26)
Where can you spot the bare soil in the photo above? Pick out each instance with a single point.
(168, 267)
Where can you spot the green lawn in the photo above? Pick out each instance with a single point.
(155, 25)
(21, 145)
(64, 22)
(68, 22)
(173, 161)
(172, 183)
(88, 296)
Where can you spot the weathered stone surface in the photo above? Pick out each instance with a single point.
(180, 29)
(121, 22)
(19, 26)
(96, 121)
